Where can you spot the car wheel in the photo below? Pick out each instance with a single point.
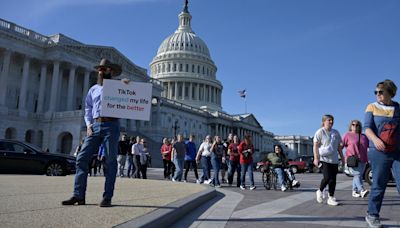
(55, 169)
(368, 176)
(294, 169)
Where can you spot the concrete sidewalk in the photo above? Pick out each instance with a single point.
(35, 201)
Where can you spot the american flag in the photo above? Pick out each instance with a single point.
(242, 93)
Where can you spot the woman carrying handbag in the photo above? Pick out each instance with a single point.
(356, 144)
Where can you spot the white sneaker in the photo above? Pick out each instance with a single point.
(373, 221)
(332, 201)
(324, 193)
(283, 188)
(242, 187)
(208, 181)
(355, 194)
(364, 193)
(198, 181)
(319, 196)
(173, 180)
(252, 187)
(294, 183)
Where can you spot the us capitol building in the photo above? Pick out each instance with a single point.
(44, 80)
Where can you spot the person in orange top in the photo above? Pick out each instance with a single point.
(166, 150)
(246, 151)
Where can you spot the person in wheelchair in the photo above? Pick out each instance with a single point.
(280, 165)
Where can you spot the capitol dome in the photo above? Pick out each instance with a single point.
(184, 66)
(184, 42)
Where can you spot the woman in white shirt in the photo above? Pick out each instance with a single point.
(204, 155)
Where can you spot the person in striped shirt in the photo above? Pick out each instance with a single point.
(382, 120)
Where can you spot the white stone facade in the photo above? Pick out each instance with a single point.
(297, 145)
(44, 80)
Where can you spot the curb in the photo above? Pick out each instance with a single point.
(164, 217)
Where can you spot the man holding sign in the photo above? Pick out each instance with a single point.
(101, 129)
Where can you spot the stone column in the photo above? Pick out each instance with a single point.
(197, 91)
(24, 84)
(42, 90)
(204, 92)
(215, 95)
(209, 94)
(218, 100)
(183, 91)
(298, 148)
(169, 95)
(176, 90)
(86, 83)
(54, 85)
(4, 77)
(191, 91)
(71, 87)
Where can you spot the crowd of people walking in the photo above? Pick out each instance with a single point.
(379, 146)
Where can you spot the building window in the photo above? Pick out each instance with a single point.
(187, 67)
(198, 69)
(180, 67)
(174, 69)
(169, 67)
(192, 68)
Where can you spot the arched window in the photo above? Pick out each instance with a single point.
(10, 133)
(64, 143)
(29, 136)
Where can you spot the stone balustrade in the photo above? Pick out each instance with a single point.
(24, 31)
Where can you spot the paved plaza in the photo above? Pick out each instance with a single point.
(34, 201)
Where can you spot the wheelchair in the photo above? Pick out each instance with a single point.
(270, 177)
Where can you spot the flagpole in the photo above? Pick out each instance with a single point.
(245, 105)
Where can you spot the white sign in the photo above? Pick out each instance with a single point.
(126, 101)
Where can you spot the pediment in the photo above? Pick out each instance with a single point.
(250, 119)
(98, 52)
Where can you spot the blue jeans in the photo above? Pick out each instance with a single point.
(103, 132)
(216, 164)
(131, 166)
(206, 164)
(179, 168)
(381, 163)
(121, 164)
(358, 176)
(281, 176)
(249, 169)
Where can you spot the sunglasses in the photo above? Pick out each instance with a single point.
(102, 69)
(355, 124)
(379, 92)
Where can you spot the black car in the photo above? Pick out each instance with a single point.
(24, 158)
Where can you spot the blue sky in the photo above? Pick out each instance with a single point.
(297, 59)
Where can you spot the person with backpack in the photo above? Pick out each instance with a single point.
(382, 120)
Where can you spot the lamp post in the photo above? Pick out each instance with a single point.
(175, 127)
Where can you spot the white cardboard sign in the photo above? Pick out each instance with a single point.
(126, 101)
